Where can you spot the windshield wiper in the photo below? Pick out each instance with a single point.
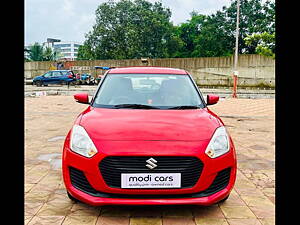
(185, 107)
(134, 106)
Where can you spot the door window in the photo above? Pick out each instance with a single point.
(47, 75)
(56, 74)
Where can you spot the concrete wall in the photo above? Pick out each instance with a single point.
(254, 70)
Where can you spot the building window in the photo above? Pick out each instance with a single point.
(65, 50)
(62, 45)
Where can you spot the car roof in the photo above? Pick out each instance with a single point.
(147, 69)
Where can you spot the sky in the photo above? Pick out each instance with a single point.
(70, 20)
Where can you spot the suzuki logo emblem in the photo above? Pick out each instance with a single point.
(151, 163)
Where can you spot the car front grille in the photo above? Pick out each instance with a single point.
(112, 167)
(80, 182)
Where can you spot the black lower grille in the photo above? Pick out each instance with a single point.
(220, 182)
(80, 182)
(111, 168)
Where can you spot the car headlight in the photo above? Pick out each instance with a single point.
(81, 143)
(219, 143)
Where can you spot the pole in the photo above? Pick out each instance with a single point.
(235, 71)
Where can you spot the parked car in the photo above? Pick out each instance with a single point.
(55, 77)
(148, 137)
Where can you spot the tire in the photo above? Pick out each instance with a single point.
(39, 83)
(72, 198)
(223, 200)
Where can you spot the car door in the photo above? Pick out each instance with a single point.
(56, 77)
(47, 77)
(65, 77)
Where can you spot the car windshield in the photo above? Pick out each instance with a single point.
(148, 91)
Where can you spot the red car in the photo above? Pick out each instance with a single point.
(148, 138)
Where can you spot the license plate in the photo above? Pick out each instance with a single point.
(150, 180)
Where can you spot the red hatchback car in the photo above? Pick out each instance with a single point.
(148, 138)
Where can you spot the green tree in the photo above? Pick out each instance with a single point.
(214, 35)
(188, 32)
(255, 17)
(174, 45)
(26, 51)
(130, 29)
(84, 52)
(214, 39)
(36, 52)
(263, 43)
(49, 54)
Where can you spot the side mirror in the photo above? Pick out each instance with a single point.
(82, 98)
(212, 99)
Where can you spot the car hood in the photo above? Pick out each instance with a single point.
(150, 125)
(37, 78)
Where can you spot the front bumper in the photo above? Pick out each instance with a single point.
(116, 196)
(99, 201)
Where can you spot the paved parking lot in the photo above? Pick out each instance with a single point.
(249, 121)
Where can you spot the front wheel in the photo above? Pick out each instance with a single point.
(72, 198)
(223, 200)
(39, 83)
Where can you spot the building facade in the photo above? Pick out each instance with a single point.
(66, 50)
